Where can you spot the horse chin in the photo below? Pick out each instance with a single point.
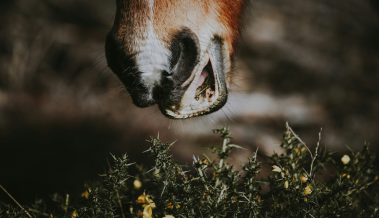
(206, 92)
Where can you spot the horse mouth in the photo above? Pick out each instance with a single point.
(205, 94)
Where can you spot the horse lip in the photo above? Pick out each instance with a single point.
(183, 109)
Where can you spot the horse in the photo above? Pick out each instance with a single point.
(175, 53)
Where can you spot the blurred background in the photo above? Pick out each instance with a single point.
(312, 63)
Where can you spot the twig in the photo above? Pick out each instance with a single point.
(66, 203)
(118, 195)
(298, 138)
(301, 141)
(15, 201)
(316, 153)
(225, 143)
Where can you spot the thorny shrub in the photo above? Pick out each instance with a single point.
(213, 188)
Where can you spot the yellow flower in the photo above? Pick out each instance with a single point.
(148, 212)
(152, 205)
(304, 178)
(276, 169)
(345, 159)
(137, 184)
(168, 216)
(74, 213)
(148, 205)
(347, 175)
(286, 184)
(297, 151)
(294, 179)
(143, 199)
(307, 190)
(86, 193)
(170, 206)
(214, 174)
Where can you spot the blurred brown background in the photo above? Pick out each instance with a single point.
(312, 63)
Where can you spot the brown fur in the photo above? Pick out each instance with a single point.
(170, 15)
(131, 21)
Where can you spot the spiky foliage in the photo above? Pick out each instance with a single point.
(213, 188)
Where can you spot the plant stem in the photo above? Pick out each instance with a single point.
(202, 178)
(118, 195)
(15, 201)
(221, 163)
(224, 146)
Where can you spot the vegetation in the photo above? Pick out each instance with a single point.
(213, 188)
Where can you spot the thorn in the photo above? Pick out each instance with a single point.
(194, 158)
(255, 154)
(173, 143)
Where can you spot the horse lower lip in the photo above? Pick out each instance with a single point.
(201, 96)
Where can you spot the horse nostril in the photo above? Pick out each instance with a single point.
(145, 73)
(185, 52)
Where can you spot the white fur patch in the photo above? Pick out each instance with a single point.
(152, 56)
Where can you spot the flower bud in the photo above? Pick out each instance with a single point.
(276, 169)
(345, 159)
